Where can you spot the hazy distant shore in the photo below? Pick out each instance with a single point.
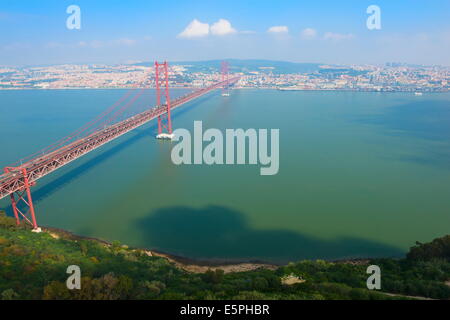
(240, 88)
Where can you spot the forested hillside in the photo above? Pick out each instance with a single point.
(33, 266)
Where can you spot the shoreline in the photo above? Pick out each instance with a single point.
(237, 88)
(195, 265)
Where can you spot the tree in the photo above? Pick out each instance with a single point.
(56, 290)
(438, 248)
(9, 294)
(212, 276)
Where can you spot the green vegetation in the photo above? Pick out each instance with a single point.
(33, 266)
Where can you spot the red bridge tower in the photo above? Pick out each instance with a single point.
(225, 88)
(164, 120)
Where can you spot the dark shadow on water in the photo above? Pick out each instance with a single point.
(220, 233)
(49, 188)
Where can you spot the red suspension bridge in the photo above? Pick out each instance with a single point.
(20, 177)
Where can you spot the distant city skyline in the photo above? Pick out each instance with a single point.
(113, 32)
(262, 74)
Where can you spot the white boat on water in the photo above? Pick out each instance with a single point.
(418, 93)
(165, 136)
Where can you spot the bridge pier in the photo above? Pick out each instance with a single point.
(24, 195)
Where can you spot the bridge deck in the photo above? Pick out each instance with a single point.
(41, 166)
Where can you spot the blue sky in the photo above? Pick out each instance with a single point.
(115, 31)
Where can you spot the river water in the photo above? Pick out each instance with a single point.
(361, 174)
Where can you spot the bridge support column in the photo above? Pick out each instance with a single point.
(164, 120)
(24, 197)
(14, 207)
(225, 88)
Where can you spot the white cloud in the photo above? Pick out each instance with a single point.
(195, 29)
(222, 27)
(309, 33)
(337, 36)
(278, 29)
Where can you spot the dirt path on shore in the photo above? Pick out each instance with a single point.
(202, 267)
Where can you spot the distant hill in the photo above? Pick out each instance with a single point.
(238, 65)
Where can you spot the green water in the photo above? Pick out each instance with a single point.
(361, 175)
